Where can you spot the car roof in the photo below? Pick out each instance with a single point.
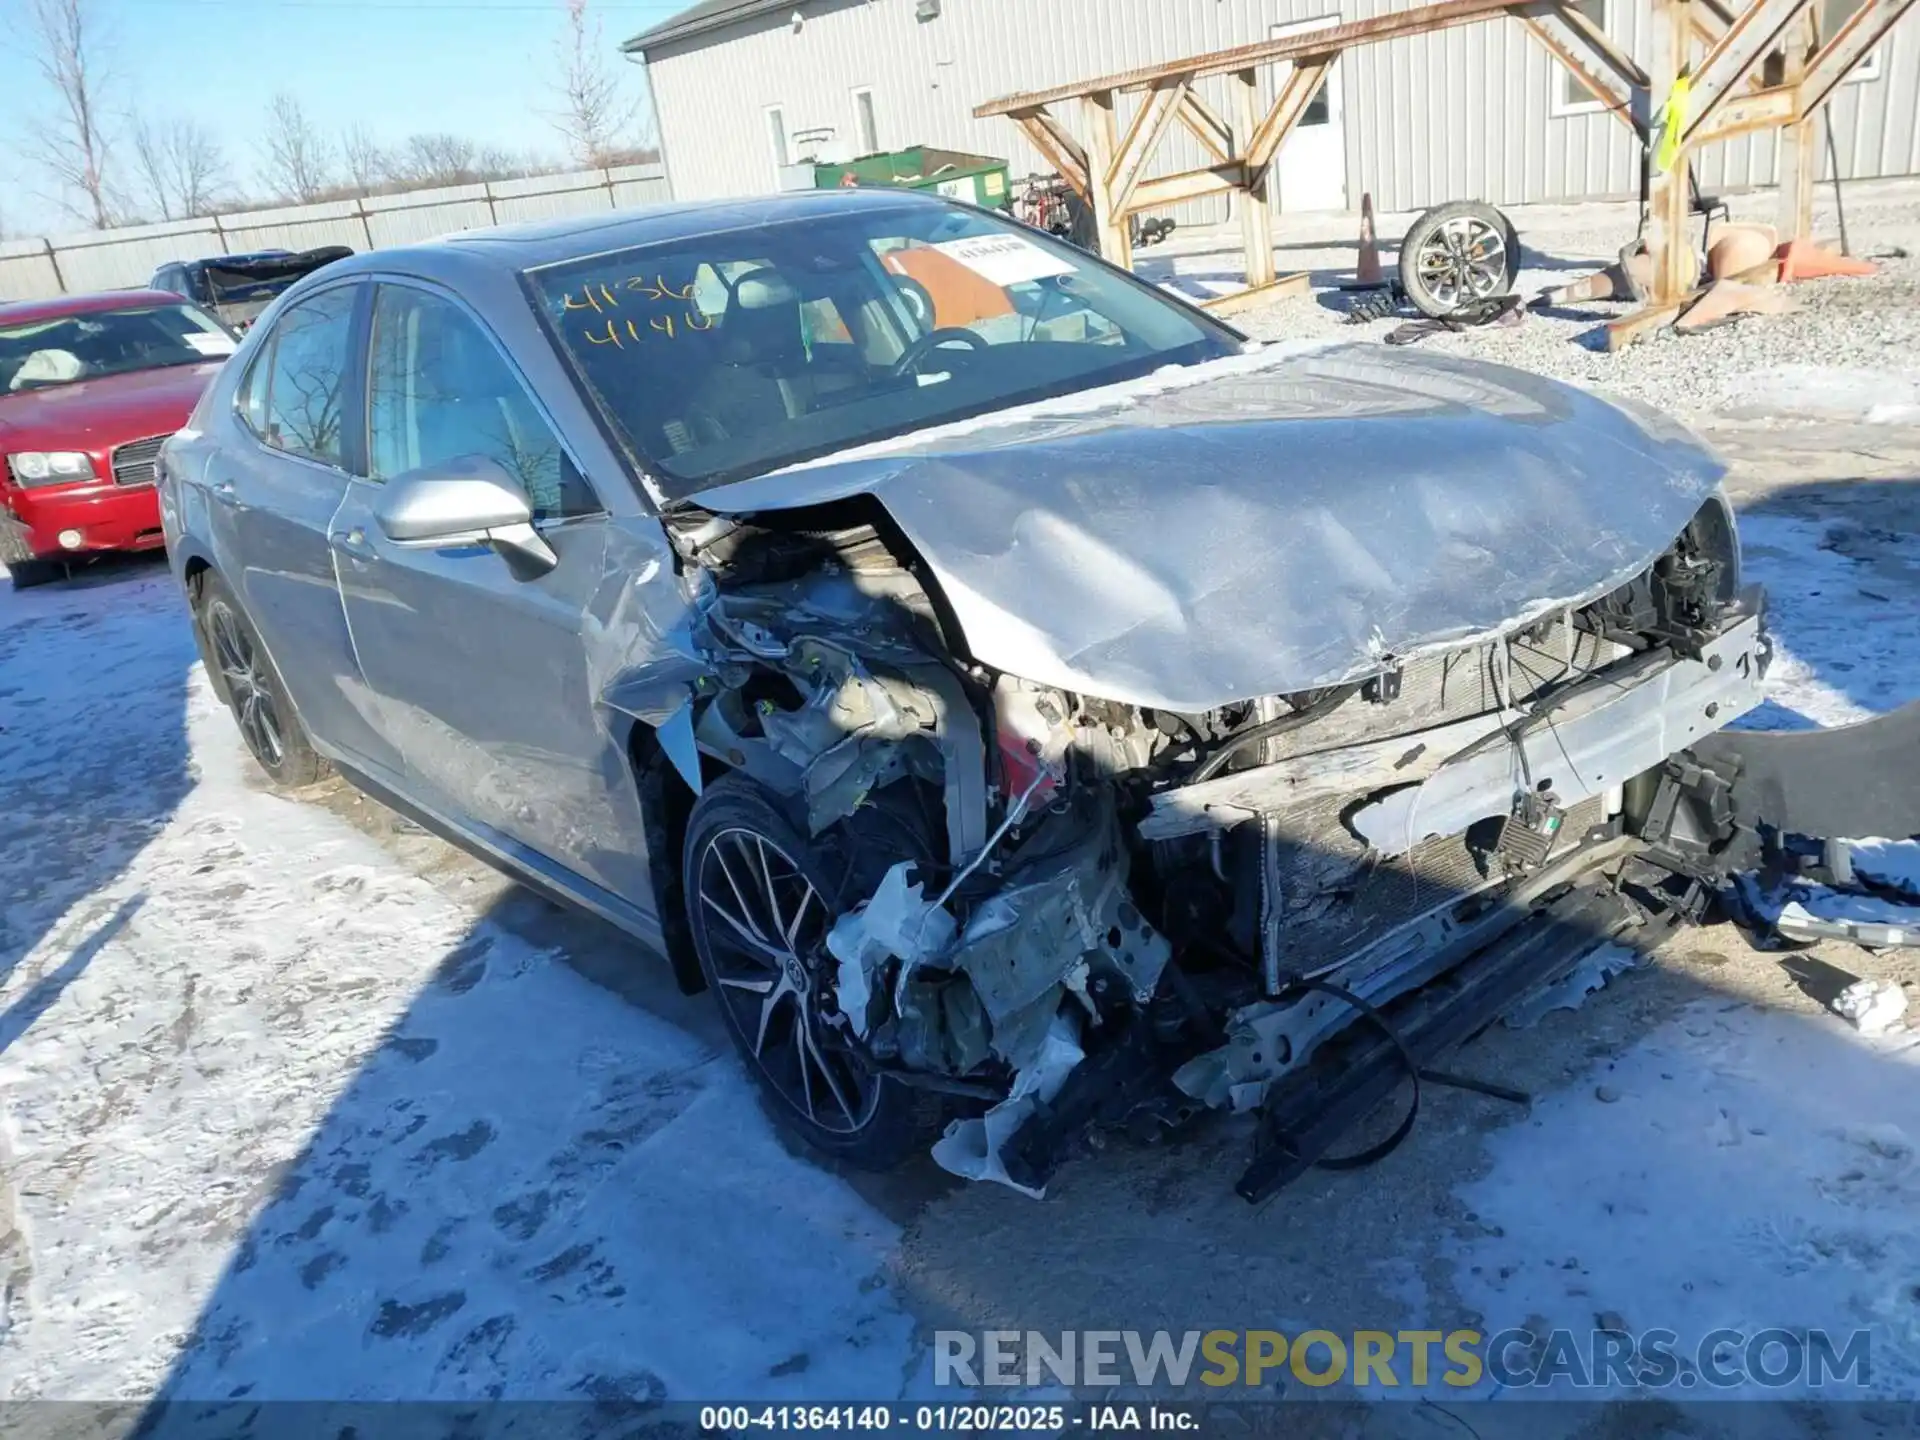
(25, 312)
(225, 259)
(545, 242)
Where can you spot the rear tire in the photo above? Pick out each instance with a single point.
(758, 896)
(245, 678)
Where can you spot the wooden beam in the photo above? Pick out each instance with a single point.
(1299, 283)
(1799, 141)
(1150, 123)
(1205, 125)
(1417, 20)
(1762, 110)
(1302, 84)
(1062, 151)
(1116, 247)
(1608, 73)
(1164, 190)
(1256, 208)
(1755, 31)
(1669, 199)
(1860, 32)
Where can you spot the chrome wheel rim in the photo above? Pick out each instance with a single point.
(1464, 259)
(241, 669)
(764, 929)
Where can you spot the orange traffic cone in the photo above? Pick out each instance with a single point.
(1367, 272)
(1804, 260)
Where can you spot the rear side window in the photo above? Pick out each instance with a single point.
(439, 389)
(304, 376)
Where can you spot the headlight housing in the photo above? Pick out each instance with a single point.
(50, 467)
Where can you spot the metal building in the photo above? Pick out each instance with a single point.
(745, 87)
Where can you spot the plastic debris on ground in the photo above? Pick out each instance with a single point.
(971, 1148)
(1870, 902)
(1873, 1007)
(1890, 864)
(1593, 972)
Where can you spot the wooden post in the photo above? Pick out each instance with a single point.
(1668, 202)
(1800, 141)
(1102, 143)
(1256, 209)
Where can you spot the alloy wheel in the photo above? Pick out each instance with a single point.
(1464, 259)
(243, 669)
(765, 925)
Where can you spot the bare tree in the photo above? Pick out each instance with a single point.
(297, 159)
(70, 144)
(439, 158)
(182, 169)
(596, 111)
(367, 165)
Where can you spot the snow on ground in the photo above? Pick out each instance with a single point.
(1740, 1169)
(270, 1100)
(280, 1118)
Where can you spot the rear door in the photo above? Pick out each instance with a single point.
(273, 493)
(483, 679)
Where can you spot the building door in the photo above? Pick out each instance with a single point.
(1310, 172)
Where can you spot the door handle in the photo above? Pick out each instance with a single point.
(353, 541)
(224, 490)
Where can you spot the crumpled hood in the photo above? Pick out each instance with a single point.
(1272, 522)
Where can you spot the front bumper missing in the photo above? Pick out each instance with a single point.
(1582, 742)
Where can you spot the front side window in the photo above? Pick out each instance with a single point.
(306, 383)
(438, 390)
(727, 355)
(96, 343)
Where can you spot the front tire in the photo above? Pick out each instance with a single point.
(25, 574)
(760, 899)
(246, 680)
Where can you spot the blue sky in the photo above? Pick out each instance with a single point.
(480, 68)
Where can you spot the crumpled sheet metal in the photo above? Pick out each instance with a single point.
(1290, 525)
(971, 1148)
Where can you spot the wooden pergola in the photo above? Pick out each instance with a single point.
(1765, 67)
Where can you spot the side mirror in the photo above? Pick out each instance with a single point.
(469, 500)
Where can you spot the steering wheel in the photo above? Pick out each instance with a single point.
(917, 350)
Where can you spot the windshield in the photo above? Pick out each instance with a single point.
(67, 348)
(727, 355)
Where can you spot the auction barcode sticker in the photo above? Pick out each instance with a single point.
(1005, 259)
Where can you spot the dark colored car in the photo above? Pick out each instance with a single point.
(237, 288)
(90, 387)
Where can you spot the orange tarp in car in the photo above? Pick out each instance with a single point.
(960, 295)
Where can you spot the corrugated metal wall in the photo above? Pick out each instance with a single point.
(1464, 113)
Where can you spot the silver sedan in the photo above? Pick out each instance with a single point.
(1021, 700)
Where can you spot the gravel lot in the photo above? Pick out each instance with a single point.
(1777, 366)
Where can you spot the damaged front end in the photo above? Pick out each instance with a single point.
(1083, 912)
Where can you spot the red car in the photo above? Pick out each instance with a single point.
(90, 387)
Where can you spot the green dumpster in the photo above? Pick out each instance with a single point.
(977, 179)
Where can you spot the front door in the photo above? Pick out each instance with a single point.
(1310, 172)
(483, 679)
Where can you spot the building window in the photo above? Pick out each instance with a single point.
(777, 139)
(866, 131)
(1570, 97)
(1834, 14)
